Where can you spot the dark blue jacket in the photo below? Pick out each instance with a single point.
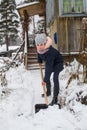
(53, 62)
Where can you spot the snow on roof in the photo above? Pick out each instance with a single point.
(26, 4)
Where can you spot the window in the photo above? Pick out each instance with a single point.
(79, 6)
(73, 6)
(67, 6)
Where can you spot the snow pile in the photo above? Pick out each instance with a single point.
(23, 91)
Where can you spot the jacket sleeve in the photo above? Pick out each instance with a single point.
(39, 59)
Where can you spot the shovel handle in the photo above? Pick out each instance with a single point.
(44, 88)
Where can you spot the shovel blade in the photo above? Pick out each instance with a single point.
(38, 107)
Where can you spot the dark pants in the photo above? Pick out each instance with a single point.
(56, 83)
(48, 85)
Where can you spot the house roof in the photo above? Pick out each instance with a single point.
(32, 8)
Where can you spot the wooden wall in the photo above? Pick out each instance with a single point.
(69, 33)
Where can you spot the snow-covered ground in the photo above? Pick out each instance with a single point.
(23, 91)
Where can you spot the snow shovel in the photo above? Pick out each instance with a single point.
(42, 106)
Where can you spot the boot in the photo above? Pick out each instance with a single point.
(48, 93)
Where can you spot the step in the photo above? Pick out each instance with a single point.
(32, 62)
(32, 49)
(32, 57)
(34, 66)
(31, 53)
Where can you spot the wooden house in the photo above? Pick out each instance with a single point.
(64, 18)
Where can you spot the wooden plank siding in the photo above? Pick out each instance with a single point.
(68, 28)
(69, 34)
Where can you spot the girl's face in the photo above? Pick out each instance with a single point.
(40, 47)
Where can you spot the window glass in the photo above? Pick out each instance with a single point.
(75, 6)
(78, 5)
(66, 6)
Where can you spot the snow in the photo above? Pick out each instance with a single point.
(23, 91)
(19, 1)
(3, 47)
(26, 4)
